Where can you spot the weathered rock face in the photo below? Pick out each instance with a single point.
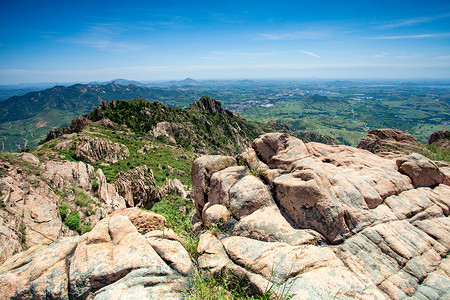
(171, 130)
(321, 221)
(138, 187)
(31, 197)
(91, 149)
(29, 213)
(113, 261)
(383, 140)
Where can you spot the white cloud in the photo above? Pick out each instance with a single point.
(293, 35)
(105, 36)
(239, 53)
(382, 54)
(310, 53)
(413, 36)
(413, 21)
(212, 58)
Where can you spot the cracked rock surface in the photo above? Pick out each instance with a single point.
(113, 261)
(323, 221)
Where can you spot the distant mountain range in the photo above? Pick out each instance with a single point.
(24, 120)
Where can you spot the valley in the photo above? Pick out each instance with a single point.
(344, 110)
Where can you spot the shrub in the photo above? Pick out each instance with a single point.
(63, 210)
(81, 199)
(73, 221)
(95, 185)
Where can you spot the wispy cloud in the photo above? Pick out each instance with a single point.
(239, 53)
(212, 58)
(445, 57)
(382, 54)
(413, 21)
(105, 36)
(310, 53)
(412, 36)
(293, 35)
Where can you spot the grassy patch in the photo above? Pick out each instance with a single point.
(15, 160)
(224, 285)
(436, 153)
(81, 199)
(180, 222)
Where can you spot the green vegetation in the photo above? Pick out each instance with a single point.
(177, 212)
(23, 237)
(26, 167)
(81, 199)
(342, 109)
(436, 153)
(75, 223)
(72, 221)
(56, 106)
(63, 210)
(224, 285)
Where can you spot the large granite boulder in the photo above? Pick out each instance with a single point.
(315, 221)
(113, 261)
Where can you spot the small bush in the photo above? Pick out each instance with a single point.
(63, 210)
(73, 221)
(81, 199)
(95, 185)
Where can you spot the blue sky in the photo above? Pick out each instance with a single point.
(81, 41)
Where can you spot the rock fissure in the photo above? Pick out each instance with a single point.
(373, 226)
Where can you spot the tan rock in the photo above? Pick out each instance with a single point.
(201, 172)
(111, 261)
(173, 253)
(29, 158)
(144, 221)
(269, 225)
(212, 255)
(91, 149)
(385, 228)
(138, 187)
(76, 172)
(216, 214)
(108, 193)
(384, 140)
(421, 170)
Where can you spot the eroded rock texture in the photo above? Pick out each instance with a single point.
(30, 194)
(326, 222)
(113, 261)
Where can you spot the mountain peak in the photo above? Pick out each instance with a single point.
(208, 104)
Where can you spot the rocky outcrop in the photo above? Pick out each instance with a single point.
(138, 187)
(75, 126)
(29, 213)
(91, 149)
(308, 136)
(212, 106)
(171, 130)
(316, 221)
(113, 261)
(32, 193)
(440, 139)
(385, 140)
